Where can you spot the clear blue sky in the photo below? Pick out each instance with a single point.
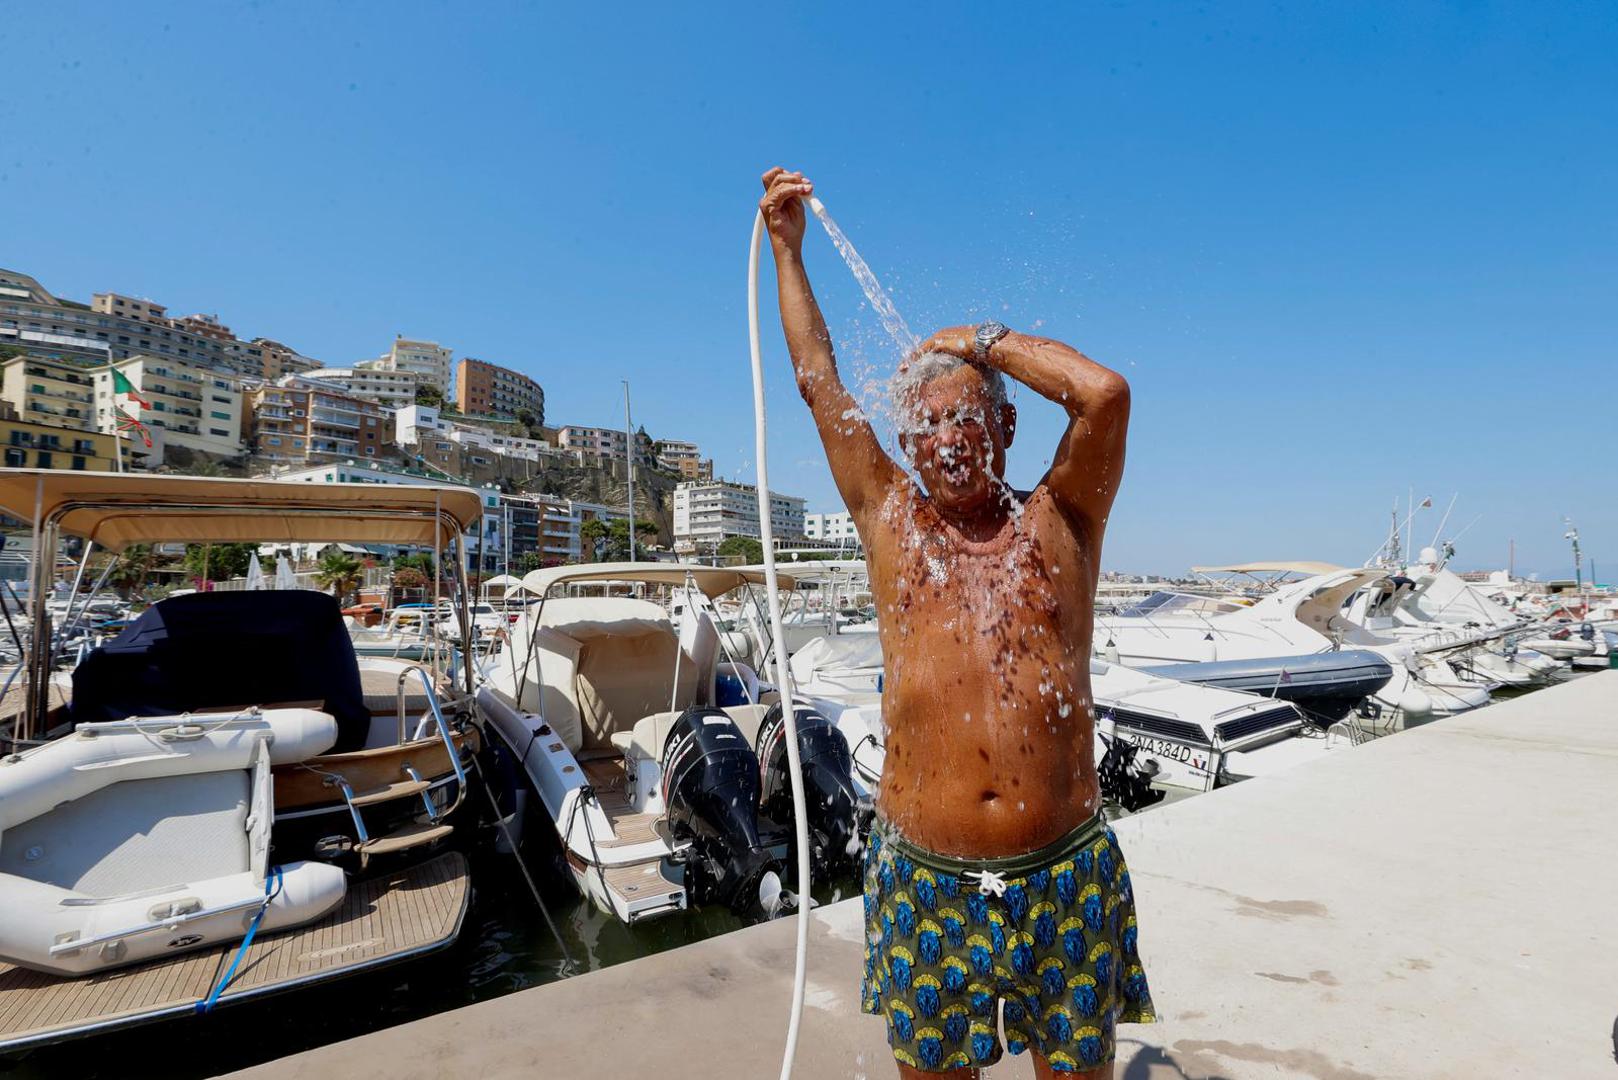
(1341, 251)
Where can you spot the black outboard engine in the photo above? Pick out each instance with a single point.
(1124, 780)
(710, 787)
(828, 785)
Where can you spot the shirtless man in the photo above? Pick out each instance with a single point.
(990, 876)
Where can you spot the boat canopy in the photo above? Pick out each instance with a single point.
(711, 580)
(808, 570)
(1278, 567)
(115, 510)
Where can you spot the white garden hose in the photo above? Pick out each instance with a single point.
(782, 675)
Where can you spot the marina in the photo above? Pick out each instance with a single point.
(1112, 581)
(1261, 945)
(496, 818)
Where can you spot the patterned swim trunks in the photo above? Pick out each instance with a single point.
(1051, 934)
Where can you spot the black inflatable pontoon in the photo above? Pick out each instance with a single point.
(1325, 685)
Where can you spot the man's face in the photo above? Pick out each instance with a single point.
(956, 436)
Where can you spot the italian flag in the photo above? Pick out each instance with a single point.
(122, 385)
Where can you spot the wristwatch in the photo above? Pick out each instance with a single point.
(989, 333)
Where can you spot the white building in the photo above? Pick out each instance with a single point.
(706, 514)
(428, 361)
(837, 528)
(391, 388)
(510, 446)
(196, 405)
(374, 474)
(413, 423)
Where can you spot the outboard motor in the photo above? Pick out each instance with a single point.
(711, 786)
(828, 785)
(1126, 781)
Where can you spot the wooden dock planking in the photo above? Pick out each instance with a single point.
(383, 918)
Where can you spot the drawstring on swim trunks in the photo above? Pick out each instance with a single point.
(989, 882)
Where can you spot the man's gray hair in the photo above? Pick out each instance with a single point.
(929, 366)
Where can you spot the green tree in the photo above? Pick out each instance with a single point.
(408, 577)
(604, 541)
(528, 562)
(338, 571)
(218, 562)
(420, 561)
(427, 394)
(129, 573)
(749, 550)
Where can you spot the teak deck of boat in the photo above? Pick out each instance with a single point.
(607, 777)
(382, 920)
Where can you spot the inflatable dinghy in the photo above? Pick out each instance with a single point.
(137, 839)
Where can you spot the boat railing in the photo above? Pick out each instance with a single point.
(444, 733)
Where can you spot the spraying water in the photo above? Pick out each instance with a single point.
(892, 321)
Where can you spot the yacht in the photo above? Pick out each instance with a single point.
(1294, 618)
(219, 803)
(653, 752)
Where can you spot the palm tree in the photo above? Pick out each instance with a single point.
(129, 573)
(339, 572)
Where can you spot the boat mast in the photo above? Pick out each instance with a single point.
(629, 458)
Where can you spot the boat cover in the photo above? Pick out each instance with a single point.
(224, 650)
(1348, 672)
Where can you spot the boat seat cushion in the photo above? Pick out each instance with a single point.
(231, 649)
(650, 734)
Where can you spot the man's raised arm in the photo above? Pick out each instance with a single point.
(1089, 463)
(862, 469)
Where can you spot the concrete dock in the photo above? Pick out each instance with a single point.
(1441, 903)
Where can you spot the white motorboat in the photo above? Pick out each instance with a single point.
(1199, 736)
(665, 786)
(193, 801)
(1295, 617)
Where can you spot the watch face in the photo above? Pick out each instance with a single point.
(990, 332)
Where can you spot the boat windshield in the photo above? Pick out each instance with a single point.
(1167, 603)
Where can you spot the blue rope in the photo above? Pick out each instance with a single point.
(272, 889)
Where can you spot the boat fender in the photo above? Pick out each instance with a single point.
(1415, 703)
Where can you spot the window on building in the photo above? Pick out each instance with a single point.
(44, 460)
(220, 415)
(78, 462)
(16, 459)
(219, 432)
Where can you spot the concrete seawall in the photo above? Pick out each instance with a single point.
(1442, 903)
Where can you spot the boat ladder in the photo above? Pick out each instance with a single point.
(430, 826)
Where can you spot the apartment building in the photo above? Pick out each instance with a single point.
(428, 361)
(30, 445)
(207, 326)
(395, 389)
(485, 389)
(282, 360)
(837, 528)
(112, 327)
(682, 457)
(594, 446)
(290, 425)
(196, 405)
(59, 392)
(706, 514)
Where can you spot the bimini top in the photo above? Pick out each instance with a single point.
(1280, 567)
(711, 580)
(115, 510)
(806, 570)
